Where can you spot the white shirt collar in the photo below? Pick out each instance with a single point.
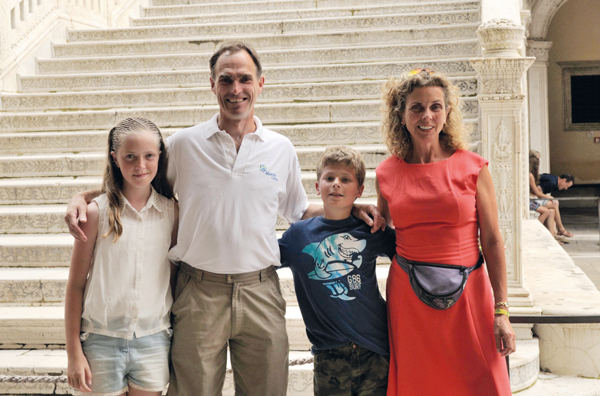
(213, 127)
(153, 200)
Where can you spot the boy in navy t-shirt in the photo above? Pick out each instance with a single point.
(333, 260)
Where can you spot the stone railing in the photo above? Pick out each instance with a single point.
(28, 26)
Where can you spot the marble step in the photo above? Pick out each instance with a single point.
(38, 191)
(308, 13)
(273, 74)
(187, 7)
(42, 327)
(277, 113)
(35, 250)
(306, 56)
(32, 219)
(89, 141)
(278, 28)
(53, 362)
(27, 362)
(93, 164)
(203, 95)
(47, 286)
(199, 44)
(59, 190)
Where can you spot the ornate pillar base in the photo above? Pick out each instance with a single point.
(505, 143)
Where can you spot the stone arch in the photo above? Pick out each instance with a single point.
(542, 12)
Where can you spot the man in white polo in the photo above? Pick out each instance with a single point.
(232, 177)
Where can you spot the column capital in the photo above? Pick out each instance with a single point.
(501, 78)
(501, 38)
(539, 49)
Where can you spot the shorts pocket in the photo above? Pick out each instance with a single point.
(84, 336)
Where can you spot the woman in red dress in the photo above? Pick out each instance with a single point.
(440, 198)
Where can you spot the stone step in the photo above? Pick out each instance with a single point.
(53, 362)
(312, 39)
(308, 13)
(93, 164)
(28, 362)
(32, 219)
(277, 28)
(306, 56)
(35, 250)
(44, 190)
(273, 74)
(178, 7)
(301, 135)
(277, 113)
(59, 190)
(46, 286)
(203, 95)
(42, 327)
(33, 286)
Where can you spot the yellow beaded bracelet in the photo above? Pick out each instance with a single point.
(501, 312)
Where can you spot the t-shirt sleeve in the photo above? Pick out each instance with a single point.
(295, 202)
(285, 248)
(387, 243)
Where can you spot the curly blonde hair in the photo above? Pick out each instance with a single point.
(395, 92)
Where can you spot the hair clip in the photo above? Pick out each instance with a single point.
(419, 70)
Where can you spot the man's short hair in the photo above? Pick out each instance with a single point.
(234, 47)
(568, 177)
(341, 155)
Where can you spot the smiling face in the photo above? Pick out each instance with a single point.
(425, 114)
(236, 86)
(338, 188)
(137, 159)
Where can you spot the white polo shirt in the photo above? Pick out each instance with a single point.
(228, 200)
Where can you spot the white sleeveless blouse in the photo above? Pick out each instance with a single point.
(128, 289)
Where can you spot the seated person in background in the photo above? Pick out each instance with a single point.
(550, 182)
(545, 204)
(333, 260)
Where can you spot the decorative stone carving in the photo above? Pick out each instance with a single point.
(501, 78)
(368, 53)
(391, 9)
(539, 49)
(501, 38)
(193, 78)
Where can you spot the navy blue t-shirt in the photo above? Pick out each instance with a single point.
(333, 262)
(548, 182)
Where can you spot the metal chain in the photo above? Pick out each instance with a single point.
(55, 379)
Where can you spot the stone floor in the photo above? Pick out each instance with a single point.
(556, 385)
(584, 248)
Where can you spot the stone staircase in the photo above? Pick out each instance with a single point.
(324, 63)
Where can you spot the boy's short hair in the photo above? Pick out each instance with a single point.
(568, 177)
(341, 155)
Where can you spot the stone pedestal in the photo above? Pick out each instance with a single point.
(539, 138)
(505, 141)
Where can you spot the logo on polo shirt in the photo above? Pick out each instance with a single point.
(264, 170)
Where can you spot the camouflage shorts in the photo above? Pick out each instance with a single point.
(350, 370)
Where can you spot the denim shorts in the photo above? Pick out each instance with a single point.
(117, 364)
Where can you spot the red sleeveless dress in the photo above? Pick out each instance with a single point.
(439, 352)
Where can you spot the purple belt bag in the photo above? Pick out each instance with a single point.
(437, 285)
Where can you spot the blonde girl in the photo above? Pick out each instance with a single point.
(118, 294)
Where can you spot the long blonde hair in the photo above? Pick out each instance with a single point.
(395, 92)
(112, 182)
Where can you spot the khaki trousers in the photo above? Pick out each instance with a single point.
(244, 311)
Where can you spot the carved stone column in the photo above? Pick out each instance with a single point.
(539, 131)
(505, 139)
